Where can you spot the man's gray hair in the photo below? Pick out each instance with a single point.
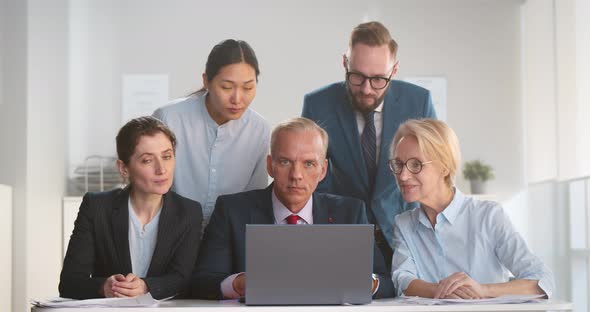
(299, 124)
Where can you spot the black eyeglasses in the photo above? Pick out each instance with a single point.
(376, 82)
(414, 165)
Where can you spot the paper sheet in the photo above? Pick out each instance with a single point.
(498, 300)
(140, 301)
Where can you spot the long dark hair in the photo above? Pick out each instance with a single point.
(229, 52)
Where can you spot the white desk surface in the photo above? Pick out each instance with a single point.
(381, 305)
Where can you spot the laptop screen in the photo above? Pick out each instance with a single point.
(309, 264)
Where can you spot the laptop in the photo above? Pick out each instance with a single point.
(309, 264)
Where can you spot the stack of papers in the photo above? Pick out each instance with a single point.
(498, 300)
(141, 301)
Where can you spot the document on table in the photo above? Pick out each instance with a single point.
(140, 301)
(497, 300)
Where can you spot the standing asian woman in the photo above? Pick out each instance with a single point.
(222, 142)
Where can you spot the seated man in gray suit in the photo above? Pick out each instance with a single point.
(297, 162)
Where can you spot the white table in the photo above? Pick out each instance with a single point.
(381, 305)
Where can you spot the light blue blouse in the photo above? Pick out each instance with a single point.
(142, 241)
(213, 160)
(471, 236)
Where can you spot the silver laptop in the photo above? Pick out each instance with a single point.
(309, 264)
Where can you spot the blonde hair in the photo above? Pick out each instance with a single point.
(436, 140)
(299, 124)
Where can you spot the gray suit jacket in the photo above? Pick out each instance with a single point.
(223, 250)
(330, 107)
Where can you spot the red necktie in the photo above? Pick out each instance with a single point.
(292, 219)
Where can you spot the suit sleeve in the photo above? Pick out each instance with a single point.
(214, 263)
(77, 278)
(429, 111)
(183, 262)
(326, 185)
(385, 289)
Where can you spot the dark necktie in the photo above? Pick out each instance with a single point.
(292, 219)
(369, 145)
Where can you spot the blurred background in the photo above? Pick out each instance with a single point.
(512, 77)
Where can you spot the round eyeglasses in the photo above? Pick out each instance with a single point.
(414, 165)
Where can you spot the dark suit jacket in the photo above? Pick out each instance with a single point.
(330, 108)
(99, 245)
(223, 251)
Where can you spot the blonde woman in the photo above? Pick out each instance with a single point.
(453, 246)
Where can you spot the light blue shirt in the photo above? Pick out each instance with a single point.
(213, 160)
(471, 236)
(142, 241)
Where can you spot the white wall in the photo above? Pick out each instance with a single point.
(33, 136)
(540, 90)
(13, 123)
(475, 44)
(47, 116)
(582, 78)
(557, 84)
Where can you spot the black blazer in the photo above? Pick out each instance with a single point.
(223, 250)
(99, 245)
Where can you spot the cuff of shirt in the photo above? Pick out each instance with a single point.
(401, 283)
(547, 285)
(376, 278)
(227, 288)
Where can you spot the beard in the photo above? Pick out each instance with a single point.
(364, 107)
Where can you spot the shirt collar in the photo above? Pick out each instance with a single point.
(281, 212)
(210, 122)
(379, 108)
(449, 213)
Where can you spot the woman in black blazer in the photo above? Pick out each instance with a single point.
(143, 238)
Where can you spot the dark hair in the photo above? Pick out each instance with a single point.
(129, 135)
(229, 52)
(372, 34)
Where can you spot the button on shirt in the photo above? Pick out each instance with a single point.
(471, 236)
(212, 159)
(142, 241)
